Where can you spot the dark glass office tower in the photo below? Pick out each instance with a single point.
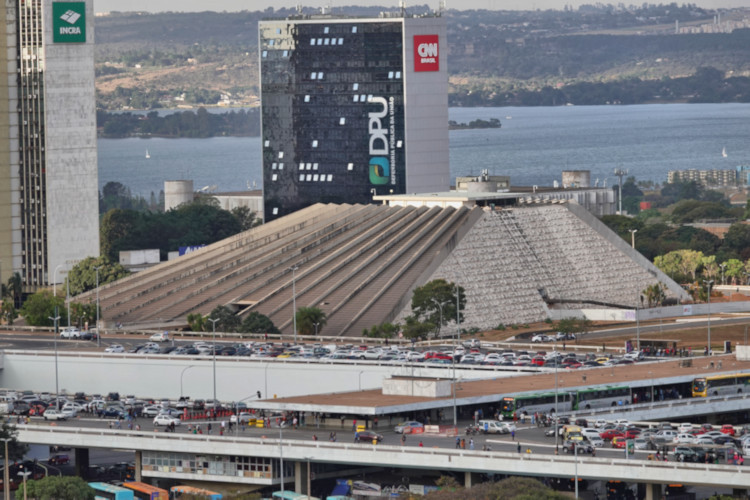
(349, 112)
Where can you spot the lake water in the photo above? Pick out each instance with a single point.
(533, 146)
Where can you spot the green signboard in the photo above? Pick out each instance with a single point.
(69, 22)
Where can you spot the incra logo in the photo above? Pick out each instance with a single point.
(426, 53)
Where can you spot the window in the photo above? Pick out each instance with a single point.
(327, 41)
(281, 166)
(320, 75)
(399, 144)
(356, 98)
(278, 31)
(307, 98)
(320, 41)
(302, 177)
(342, 121)
(313, 75)
(301, 166)
(274, 177)
(354, 29)
(355, 86)
(312, 41)
(267, 143)
(264, 54)
(315, 143)
(330, 177)
(341, 41)
(308, 166)
(398, 74)
(315, 177)
(315, 166)
(275, 211)
(273, 166)
(271, 42)
(286, 53)
(281, 154)
(326, 30)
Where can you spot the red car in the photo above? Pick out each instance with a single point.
(632, 433)
(619, 442)
(610, 434)
(727, 429)
(59, 459)
(538, 361)
(573, 365)
(705, 428)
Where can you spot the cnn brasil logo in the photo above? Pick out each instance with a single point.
(69, 22)
(426, 53)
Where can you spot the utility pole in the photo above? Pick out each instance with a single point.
(620, 173)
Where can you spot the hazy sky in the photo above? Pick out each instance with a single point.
(236, 5)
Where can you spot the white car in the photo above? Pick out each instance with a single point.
(595, 441)
(685, 427)
(164, 419)
(53, 414)
(244, 418)
(600, 423)
(70, 333)
(684, 438)
(589, 433)
(72, 407)
(159, 337)
(115, 348)
(538, 338)
(151, 410)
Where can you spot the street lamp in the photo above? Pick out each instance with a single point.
(6, 475)
(316, 325)
(637, 325)
(181, 377)
(54, 280)
(213, 349)
(57, 385)
(708, 283)
(632, 237)
(294, 300)
(723, 266)
(575, 452)
(98, 335)
(557, 432)
(25, 474)
(453, 358)
(281, 460)
(67, 296)
(440, 326)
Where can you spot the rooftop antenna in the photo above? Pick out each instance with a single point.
(441, 7)
(402, 6)
(619, 172)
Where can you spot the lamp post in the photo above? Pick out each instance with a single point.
(54, 280)
(25, 474)
(557, 432)
(723, 266)
(316, 325)
(453, 358)
(67, 296)
(98, 336)
(637, 326)
(440, 326)
(294, 300)
(181, 376)
(213, 349)
(632, 237)
(55, 320)
(281, 460)
(620, 173)
(6, 475)
(575, 452)
(708, 283)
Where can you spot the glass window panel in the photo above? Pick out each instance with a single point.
(315, 166)
(350, 166)
(312, 41)
(330, 177)
(342, 121)
(341, 41)
(355, 86)
(264, 53)
(302, 177)
(281, 166)
(307, 98)
(281, 154)
(315, 177)
(327, 41)
(315, 144)
(274, 177)
(309, 177)
(326, 30)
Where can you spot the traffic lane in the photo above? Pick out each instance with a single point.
(526, 437)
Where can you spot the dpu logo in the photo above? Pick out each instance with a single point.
(426, 53)
(380, 171)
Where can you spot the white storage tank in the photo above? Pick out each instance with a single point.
(576, 179)
(176, 193)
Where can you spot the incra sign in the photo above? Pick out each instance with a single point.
(69, 22)
(426, 53)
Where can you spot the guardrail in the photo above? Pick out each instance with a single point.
(655, 405)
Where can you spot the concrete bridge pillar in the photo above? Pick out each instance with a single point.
(299, 471)
(470, 478)
(653, 492)
(138, 464)
(82, 462)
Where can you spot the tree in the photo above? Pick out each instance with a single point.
(40, 307)
(246, 217)
(228, 321)
(512, 488)
(383, 330)
(654, 294)
(256, 322)
(435, 302)
(738, 240)
(735, 269)
(413, 328)
(16, 449)
(307, 318)
(689, 262)
(57, 488)
(573, 325)
(197, 322)
(82, 276)
(115, 232)
(710, 267)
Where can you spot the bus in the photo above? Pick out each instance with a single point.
(716, 385)
(532, 403)
(143, 491)
(178, 491)
(106, 491)
(600, 397)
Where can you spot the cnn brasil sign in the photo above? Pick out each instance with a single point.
(69, 22)
(426, 53)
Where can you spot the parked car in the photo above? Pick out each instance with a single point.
(89, 335)
(244, 418)
(58, 460)
(408, 427)
(164, 419)
(151, 410)
(727, 429)
(70, 333)
(582, 446)
(115, 348)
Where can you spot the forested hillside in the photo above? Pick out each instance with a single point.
(172, 59)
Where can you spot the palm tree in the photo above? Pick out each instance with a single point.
(310, 320)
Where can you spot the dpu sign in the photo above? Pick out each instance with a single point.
(69, 22)
(426, 53)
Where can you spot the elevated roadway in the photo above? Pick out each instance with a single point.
(410, 457)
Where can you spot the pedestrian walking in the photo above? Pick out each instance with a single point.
(354, 424)
(471, 444)
(356, 437)
(513, 435)
(421, 445)
(463, 444)
(519, 447)
(458, 443)
(403, 439)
